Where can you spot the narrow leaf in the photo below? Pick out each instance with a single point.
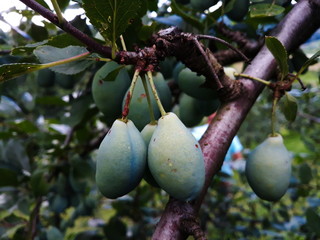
(188, 18)
(113, 74)
(48, 54)
(313, 221)
(111, 17)
(309, 62)
(265, 10)
(10, 71)
(290, 107)
(280, 54)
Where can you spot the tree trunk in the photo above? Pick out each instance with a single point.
(292, 31)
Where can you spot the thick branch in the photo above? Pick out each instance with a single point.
(294, 29)
(92, 45)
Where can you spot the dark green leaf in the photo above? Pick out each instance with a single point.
(51, 100)
(313, 221)
(111, 17)
(113, 74)
(280, 54)
(8, 177)
(309, 62)
(265, 10)
(26, 126)
(10, 71)
(48, 54)
(38, 183)
(290, 107)
(188, 18)
(305, 173)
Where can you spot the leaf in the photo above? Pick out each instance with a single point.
(305, 173)
(265, 10)
(280, 54)
(188, 18)
(8, 177)
(111, 17)
(309, 62)
(111, 76)
(290, 107)
(48, 54)
(10, 71)
(313, 221)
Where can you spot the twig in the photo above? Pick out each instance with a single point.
(92, 45)
(34, 217)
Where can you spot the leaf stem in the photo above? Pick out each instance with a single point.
(273, 117)
(155, 94)
(58, 11)
(123, 43)
(252, 78)
(126, 107)
(146, 89)
(64, 61)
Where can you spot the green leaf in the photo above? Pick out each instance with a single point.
(313, 221)
(309, 62)
(305, 173)
(10, 71)
(48, 54)
(265, 10)
(186, 17)
(111, 76)
(290, 107)
(8, 177)
(280, 54)
(111, 17)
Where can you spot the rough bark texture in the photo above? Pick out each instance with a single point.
(294, 29)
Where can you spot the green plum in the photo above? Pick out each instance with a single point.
(121, 160)
(189, 113)
(108, 95)
(175, 159)
(268, 169)
(191, 84)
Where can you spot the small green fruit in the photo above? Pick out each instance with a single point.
(108, 95)
(190, 83)
(268, 169)
(121, 160)
(239, 10)
(139, 109)
(147, 133)
(175, 159)
(188, 111)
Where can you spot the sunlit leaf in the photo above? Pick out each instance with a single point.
(308, 62)
(265, 10)
(48, 54)
(280, 54)
(10, 71)
(111, 17)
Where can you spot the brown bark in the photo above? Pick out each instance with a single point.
(293, 30)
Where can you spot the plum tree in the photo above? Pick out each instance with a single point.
(55, 179)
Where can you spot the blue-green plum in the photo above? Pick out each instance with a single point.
(175, 159)
(108, 95)
(189, 113)
(268, 169)
(121, 160)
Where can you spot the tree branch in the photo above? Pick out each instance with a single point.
(293, 30)
(92, 45)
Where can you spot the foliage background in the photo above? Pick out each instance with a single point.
(49, 136)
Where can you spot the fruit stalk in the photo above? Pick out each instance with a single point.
(273, 117)
(145, 86)
(125, 111)
(156, 96)
(252, 78)
(58, 11)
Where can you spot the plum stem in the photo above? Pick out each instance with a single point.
(155, 94)
(146, 89)
(125, 111)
